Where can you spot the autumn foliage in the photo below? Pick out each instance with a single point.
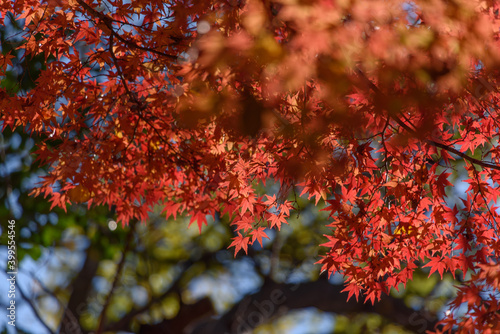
(367, 106)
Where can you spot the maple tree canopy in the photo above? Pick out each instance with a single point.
(367, 106)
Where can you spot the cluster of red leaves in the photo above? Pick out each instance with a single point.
(368, 105)
(481, 296)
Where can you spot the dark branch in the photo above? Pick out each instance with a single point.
(275, 299)
(123, 323)
(448, 148)
(81, 288)
(128, 244)
(35, 311)
(108, 22)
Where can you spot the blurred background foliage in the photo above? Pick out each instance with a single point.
(80, 273)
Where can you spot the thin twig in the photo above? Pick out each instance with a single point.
(108, 22)
(428, 141)
(125, 320)
(35, 311)
(121, 264)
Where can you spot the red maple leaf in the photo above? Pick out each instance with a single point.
(258, 234)
(240, 242)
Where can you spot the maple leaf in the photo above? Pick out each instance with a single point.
(258, 234)
(271, 200)
(245, 223)
(247, 204)
(254, 103)
(200, 218)
(171, 209)
(353, 289)
(436, 264)
(373, 296)
(240, 242)
(277, 220)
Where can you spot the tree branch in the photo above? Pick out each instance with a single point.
(124, 322)
(35, 311)
(128, 243)
(108, 22)
(275, 299)
(189, 316)
(78, 298)
(445, 147)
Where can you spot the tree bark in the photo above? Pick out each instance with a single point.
(275, 299)
(70, 323)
